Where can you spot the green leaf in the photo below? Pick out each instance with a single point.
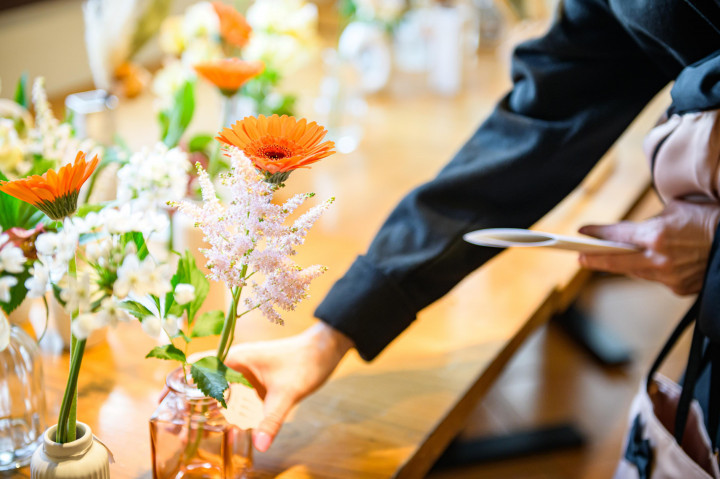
(14, 212)
(21, 91)
(235, 377)
(180, 114)
(17, 292)
(137, 238)
(188, 272)
(136, 309)
(200, 143)
(169, 352)
(208, 324)
(209, 375)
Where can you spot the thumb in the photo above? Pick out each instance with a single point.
(277, 406)
(623, 232)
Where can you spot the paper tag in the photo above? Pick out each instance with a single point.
(110, 454)
(245, 408)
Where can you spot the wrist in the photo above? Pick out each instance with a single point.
(330, 340)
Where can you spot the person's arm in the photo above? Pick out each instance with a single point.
(685, 153)
(575, 91)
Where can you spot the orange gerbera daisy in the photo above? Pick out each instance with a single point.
(229, 74)
(234, 29)
(278, 145)
(55, 194)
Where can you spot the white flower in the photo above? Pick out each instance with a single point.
(12, 258)
(4, 332)
(152, 326)
(167, 82)
(6, 284)
(171, 325)
(12, 148)
(292, 17)
(77, 295)
(39, 283)
(84, 325)
(111, 313)
(158, 277)
(200, 20)
(152, 177)
(131, 278)
(100, 249)
(284, 53)
(184, 293)
(250, 236)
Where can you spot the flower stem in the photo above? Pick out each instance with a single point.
(65, 430)
(229, 326)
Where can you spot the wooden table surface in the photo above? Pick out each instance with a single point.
(393, 417)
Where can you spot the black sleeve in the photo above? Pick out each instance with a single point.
(697, 87)
(575, 91)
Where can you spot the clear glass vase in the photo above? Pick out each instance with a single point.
(22, 400)
(191, 438)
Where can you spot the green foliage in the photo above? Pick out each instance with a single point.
(17, 292)
(213, 377)
(22, 97)
(137, 238)
(136, 309)
(188, 273)
(200, 143)
(169, 352)
(174, 122)
(208, 324)
(14, 212)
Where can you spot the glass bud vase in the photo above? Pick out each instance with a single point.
(191, 438)
(22, 400)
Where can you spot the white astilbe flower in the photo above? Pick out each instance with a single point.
(49, 137)
(154, 176)
(251, 237)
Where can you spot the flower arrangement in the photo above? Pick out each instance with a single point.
(31, 144)
(251, 241)
(386, 13)
(244, 58)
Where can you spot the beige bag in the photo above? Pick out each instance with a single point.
(651, 449)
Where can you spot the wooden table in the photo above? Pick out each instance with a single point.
(394, 417)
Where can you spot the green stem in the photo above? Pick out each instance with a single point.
(230, 320)
(69, 398)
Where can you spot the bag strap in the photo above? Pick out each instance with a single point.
(684, 323)
(692, 372)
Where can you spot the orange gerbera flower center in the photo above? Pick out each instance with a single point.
(275, 152)
(53, 193)
(278, 145)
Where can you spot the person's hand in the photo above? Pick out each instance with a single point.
(285, 371)
(675, 246)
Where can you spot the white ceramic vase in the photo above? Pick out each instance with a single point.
(84, 458)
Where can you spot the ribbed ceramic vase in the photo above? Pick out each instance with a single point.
(83, 458)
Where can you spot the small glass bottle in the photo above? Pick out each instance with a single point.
(22, 400)
(191, 438)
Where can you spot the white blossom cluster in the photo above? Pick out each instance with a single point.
(108, 269)
(12, 260)
(250, 238)
(152, 177)
(50, 138)
(284, 33)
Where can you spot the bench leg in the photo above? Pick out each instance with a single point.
(516, 444)
(600, 342)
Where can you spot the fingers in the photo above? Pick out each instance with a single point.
(631, 263)
(623, 232)
(277, 406)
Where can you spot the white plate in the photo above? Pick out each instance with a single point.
(510, 237)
